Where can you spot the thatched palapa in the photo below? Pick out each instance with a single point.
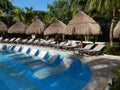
(56, 28)
(37, 27)
(82, 24)
(17, 28)
(3, 27)
(116, 32)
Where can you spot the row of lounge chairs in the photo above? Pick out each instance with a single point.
(91, 49)
(19, 40)
(37, 61)
(42, 42)
(66, 45)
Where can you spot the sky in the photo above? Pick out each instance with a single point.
(36, 4)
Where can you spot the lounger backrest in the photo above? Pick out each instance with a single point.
(1, 38)
(88, 46)
(48, 41)
(33, 51)
(17, 39)
(17, 48)
(99, 47)
(42, 41)
(6, 40)
(66, 62)
(12, 39)
(36, 41)
(24, 50)
(42, 54)
(3, 47)
(61, 43)
(68, 43)
(74, 45)
(11, 48)
(24, 40)
(30, 40)
(52, 58)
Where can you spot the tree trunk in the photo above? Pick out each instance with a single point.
(111, 33)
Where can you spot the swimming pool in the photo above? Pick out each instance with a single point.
(24, 68)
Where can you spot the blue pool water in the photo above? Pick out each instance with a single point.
(17, 73)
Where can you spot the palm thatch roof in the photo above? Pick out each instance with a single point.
(37, 27)
(3, 27)
(56, 28)
(82, 24)
(17, 28)
(116, 32)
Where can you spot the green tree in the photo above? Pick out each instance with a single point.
(75, 5)
(18, 14)
(61, 10)
(5, 8)
(29, 15)
(43, 16)
(48, 19)
(107, 8)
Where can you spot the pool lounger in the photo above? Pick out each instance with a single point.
(40, 56)
(42, 62)
(49, 71)
(17, 51)
(30, 53)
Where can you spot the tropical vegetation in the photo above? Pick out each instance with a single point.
(105, 12)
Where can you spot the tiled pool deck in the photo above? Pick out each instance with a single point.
(101, 70)
(100, 66)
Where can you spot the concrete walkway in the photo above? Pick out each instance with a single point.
(101, 67)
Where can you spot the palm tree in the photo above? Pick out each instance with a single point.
(106, 8)
(18, 14)
(5, 7)
(29, 15)
(61, 10)
(75, 5)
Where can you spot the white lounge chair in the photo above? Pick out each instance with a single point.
(3, 48)
(24, 41)
(37, 63)
(28, 54)
(35, 42)
(58, 45)
(30, 41)
(11, 40)
(49, 71)
(71, 47)
(95, 51)
(86, 47)
(15, 51)
(42, 54)
(17, 40)
(38, 57)
(65, 45)
(5, 40)
(46, 42)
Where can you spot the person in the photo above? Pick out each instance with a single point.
(81, 44)
(56, 39)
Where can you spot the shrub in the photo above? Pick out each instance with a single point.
(116, 79)
(112, 50)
